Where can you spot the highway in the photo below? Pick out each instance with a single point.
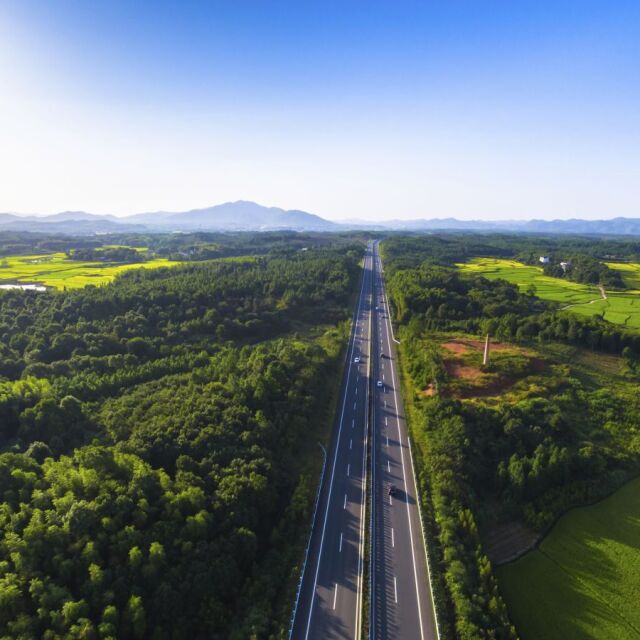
(330, 599)
(401, 605)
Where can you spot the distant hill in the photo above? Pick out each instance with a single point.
(234, 216)
(231, 216)
(615, 226)
(250, 216)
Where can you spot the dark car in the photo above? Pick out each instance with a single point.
(392, 490)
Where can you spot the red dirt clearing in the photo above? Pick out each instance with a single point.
(462, 345)
(456, 369)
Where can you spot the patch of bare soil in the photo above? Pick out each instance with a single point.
(455, 346)
(457, 369)
(429, 390)
(480, 387)
(462, 345)
(507, 541)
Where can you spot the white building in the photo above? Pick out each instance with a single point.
(544, 259)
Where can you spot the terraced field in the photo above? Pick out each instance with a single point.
(584, 580)
(56, 270)
(630, 272)
(618, 307)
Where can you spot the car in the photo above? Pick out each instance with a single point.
(379, 383)
(392, 490)
(356, 359)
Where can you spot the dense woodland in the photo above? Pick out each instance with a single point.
(181, 247)
(126, 255)
(156, 434)
(564, 442)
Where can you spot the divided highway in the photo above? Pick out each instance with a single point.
(330, 600)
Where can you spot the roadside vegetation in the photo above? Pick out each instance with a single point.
(159, 445)
(504, 449)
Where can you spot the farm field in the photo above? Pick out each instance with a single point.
(618, 308)
(584, 580)
(630, 272)
(56, 270)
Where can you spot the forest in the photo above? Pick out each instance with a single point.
(159, 436)
(181, 247)
(559, 429)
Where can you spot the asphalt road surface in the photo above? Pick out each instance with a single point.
(330, 601)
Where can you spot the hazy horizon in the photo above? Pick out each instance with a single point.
(354, 219)
(494, 111)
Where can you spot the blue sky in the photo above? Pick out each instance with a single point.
(492, 109)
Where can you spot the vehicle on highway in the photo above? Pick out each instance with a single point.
(356, 359)
(379, 383)
(392, 490)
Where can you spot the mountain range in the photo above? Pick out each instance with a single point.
(231, 216)
(250, 216)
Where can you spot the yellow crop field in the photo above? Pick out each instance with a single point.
(619, 307)
(58, 271)
(630, 272)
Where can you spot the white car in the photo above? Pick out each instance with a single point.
(379, 383)
(356, 359)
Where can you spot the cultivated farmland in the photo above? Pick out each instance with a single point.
(619, 307)
(58, 271)
(584, 580)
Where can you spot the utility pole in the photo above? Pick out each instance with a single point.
(485, 358)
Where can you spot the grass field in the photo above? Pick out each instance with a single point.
(56, 270)
(584, 580)
(618, 308)
(630, 272)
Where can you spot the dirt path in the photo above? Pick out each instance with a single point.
(603, 296)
